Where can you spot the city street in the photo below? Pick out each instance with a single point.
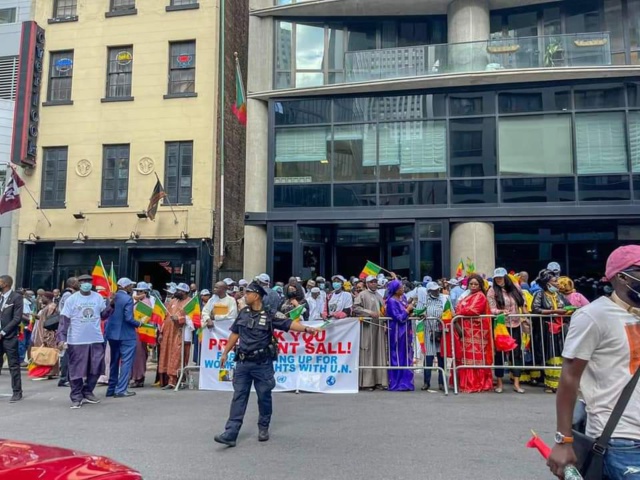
(378, 435)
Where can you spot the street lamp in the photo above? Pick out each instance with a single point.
(183, 239)
(81, 239)
(33, 238)
(133, 238)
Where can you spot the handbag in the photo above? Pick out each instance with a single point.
(591, 451)
(44, 356)
(52, 322)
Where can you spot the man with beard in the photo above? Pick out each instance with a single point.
(373, 349)
(171, 335)
(79, 332)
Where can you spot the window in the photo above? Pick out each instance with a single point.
(115, 175)
(535, 145)
(182, 67)
(634, 140)
(472, 147)
(8, 15)
(54, 177)
(60, 76)
(119, 72)
(65, 9)
(179, 3)
(122, 5)
(8, 77)
(178, 172)
(601, 143)
(354, 152)
(301, 155)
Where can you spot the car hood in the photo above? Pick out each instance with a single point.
(28, 461)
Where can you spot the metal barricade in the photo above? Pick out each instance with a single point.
(185, 368)
(401, 346)
(539, 343)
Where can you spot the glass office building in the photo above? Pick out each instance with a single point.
(414, 142)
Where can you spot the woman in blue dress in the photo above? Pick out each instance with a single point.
(400, 338)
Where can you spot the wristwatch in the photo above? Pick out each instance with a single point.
(561, 439)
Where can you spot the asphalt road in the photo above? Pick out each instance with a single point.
(379, 435)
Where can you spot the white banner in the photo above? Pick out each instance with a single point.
(324, 363)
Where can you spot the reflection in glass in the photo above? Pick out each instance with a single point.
(470, 104)
(282, 259)
(536, 145)
(309, 46)
(431, 259)
(284, 46)
(583, 16)
(354, 195)
(413, 193)
(281, 232)
(302, 112)
(335, 55)
(601, 143)
(412, 149)
(613, 23)
(362, 36)
(301, 155)
(532, 190)
(354, 152)
(523, 101)
(294, 196)
(474, 191)
(354, 109)
(473, 147)
(599, 97)
(309, 79)
(633, 10)
(430, 230)
(634, 140)
(603, 188)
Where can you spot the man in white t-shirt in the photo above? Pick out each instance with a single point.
(220, 307)
(601, 354)
(80, 333)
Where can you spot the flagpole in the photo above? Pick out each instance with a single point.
(168, 201)
(33, 198)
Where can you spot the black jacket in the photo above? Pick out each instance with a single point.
(11, 315)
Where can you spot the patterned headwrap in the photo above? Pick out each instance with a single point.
(393, 287)
(566, 285)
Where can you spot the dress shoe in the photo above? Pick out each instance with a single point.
(109, 394)
(124, 395)
(91, 399)
(263, 435)
(63, 384)
(16, 397)
(225, 440)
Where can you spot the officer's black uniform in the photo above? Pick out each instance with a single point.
(254, 364)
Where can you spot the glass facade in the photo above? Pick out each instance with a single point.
(557, 144)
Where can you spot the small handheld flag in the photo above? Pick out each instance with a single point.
(370, 269)
(460, 269)
(503, 341)
(192, 309)
(297, 312)
(101, 279)
(420, 334)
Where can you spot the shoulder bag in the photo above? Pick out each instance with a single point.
(591, 451)
(44, 356)
(52, 322)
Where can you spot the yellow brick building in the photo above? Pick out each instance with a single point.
(129, 95)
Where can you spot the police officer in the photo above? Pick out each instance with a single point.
(254, 362)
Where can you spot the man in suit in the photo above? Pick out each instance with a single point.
(11, 306)
(122, 336)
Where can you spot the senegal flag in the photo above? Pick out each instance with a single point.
(297, 313)
(192, 309)
(101, 279)
(147, 333)
(460, 269)
(142, 312)
(370, 269)
(159, 313)
(503, 341)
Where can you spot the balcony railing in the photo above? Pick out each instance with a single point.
(551, 51)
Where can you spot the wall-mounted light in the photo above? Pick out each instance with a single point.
(183, 239)
(133, 237)
(79, 216)
(142, 214)
(81, 239)
(33, 238)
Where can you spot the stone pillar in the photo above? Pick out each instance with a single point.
(255, 251)
(475, 241)
(260, 64)
(468, 21)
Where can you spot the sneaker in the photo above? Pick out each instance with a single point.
(16, 397)
(263, 435)
(63, 384)
(76, 405)
(225, 440)
(91, 399)
(125, 394)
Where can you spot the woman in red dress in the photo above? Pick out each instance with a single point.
(475, 334)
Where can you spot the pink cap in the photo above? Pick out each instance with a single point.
(621, 259)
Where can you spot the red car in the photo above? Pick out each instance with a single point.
(28, 461)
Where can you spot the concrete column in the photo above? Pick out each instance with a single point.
(468, 21)
(260, 66)
(475, 241)
(255, 251)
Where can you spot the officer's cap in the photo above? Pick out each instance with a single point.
(256, 288)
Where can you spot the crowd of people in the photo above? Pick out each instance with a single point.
(391, 310)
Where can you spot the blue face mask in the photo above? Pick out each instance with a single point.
(553, 289)
(337, 285)
(321, 286)
(85, 287)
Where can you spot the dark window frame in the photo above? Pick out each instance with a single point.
(70, 9)
(57, 194)
(173, 87)
(125, 73)
(111, 156)
(14, 16)
(174, 196)
(122, 5)
(54, 79)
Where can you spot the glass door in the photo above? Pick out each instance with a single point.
(313, 261)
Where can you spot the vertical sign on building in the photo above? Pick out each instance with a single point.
(24, 144)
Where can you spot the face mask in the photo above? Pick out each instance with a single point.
(634, 288)
(553, 289)
(85, 287)
(321, 286)
(337, 285)
(291, 294)
(434, 294)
